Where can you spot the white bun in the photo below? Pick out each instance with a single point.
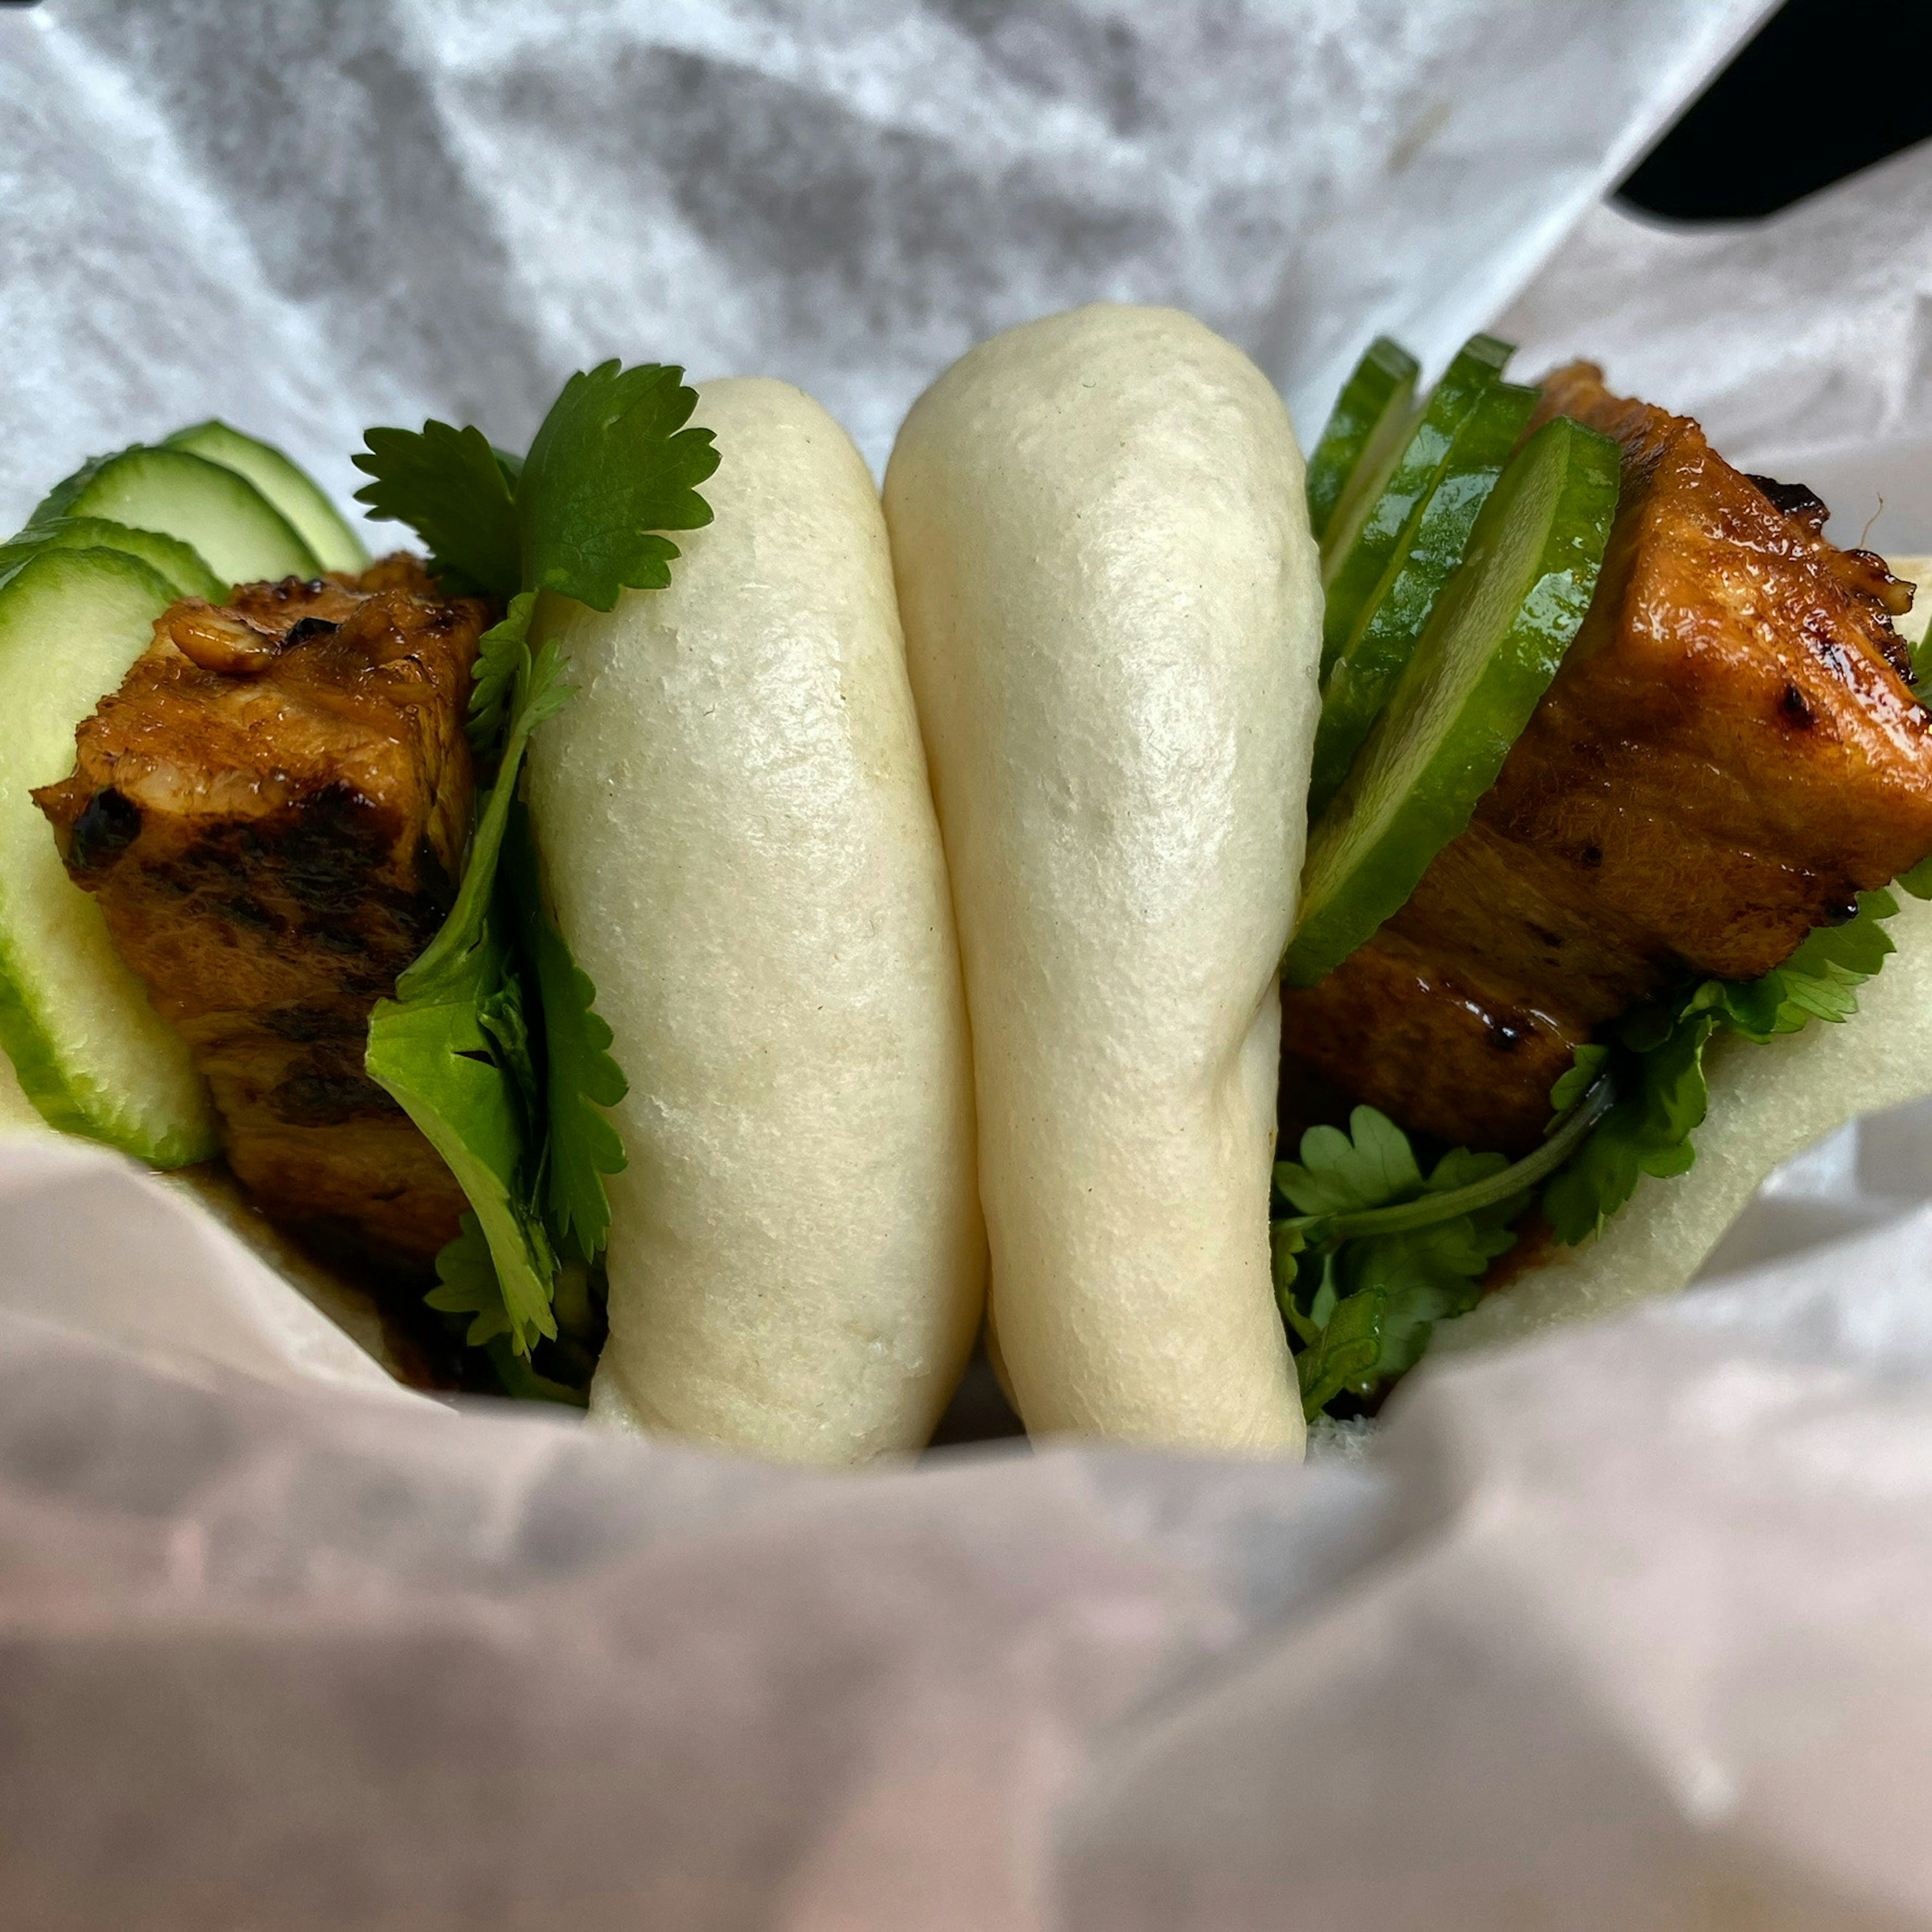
(1113, 619)
(739, 839)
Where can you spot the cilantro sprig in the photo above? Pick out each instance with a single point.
(455, 1049)
(613, 467)
(456, 492)
(1380, 1252)
(492, 1045)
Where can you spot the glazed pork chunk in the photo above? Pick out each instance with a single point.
(1729, 755)
(271, 813)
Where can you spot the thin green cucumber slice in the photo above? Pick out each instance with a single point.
(1371, 412)
(285, 484)
(180, 563)
(1372, 529)
(92, 1055)
(1397, 611)
(242, 535)
(1496, 639)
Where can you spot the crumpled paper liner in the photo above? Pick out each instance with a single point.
(310, 217)
(1801, 342)
(1625, 1629)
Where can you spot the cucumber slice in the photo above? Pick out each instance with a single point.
(1370, 413)
(93, 1056)
(178, 562)
(1398, 609)
(1496, 640)
(241, 534)
(290, 488)
(1372, 529)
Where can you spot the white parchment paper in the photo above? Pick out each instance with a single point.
(316, 214)
(1801, 342)
(1627, 1630)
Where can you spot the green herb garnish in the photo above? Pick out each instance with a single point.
(456, 492)
(1378, 1253)
(1654, 1057)
(492, 1045)
(454, 1049)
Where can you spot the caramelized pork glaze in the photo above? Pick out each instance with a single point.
(271, 812)
(1729, 753)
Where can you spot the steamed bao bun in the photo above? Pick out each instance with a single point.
(1112, 613)
(738, 834)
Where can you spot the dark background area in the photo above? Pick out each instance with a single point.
(1826, 88)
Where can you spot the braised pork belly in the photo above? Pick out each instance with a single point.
(271, 813)
(1729, 753)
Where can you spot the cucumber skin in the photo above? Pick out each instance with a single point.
(76, 495)
(1366, 672)
(41, 1080)
(1358, 565)
(59, 502)
(1383, 381)
(184, 567)
(36, 1062)
(1499, 706)
(292, 490)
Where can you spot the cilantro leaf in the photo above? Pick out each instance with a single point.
(1376, 1299)
(1425, 1276)
(1362, 1272)
(525, 1385)
(1461, 1168)
(1346, 1351)
(539, 692)
(500, 654)
(467, 1285)
(1861, 946)
(454, 491)
(452, 1050)
(500, 1013)
(1286, 1247)
(612, 467)
(1370, 1166)
(580, 1078)
(431, 1054)
(1572, 1086)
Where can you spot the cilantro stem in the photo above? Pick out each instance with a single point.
(1428, 1209)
